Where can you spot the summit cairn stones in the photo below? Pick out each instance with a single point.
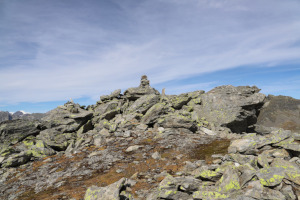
(143, 89)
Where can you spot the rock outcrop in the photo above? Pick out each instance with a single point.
(228, 143)
(281, 112)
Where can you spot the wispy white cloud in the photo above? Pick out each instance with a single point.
(57, 50)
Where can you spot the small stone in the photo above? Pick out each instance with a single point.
(156, 155)
(104, 132)
(119, 170)
(133, 148)
(217, 161)
(160, 129)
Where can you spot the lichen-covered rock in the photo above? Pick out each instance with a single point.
(113, 95)
(143, 104)
(232, 107)
(241, 145)
(55, 139)
(230, 181)
(177, 101)
(256, 190)
(106, 111)
(282, 112)
(111, 192)
(155, 112)
(178, 120)
(67, 118)
(14, 131)
(209, 195)
(207, 175)
(291, 170)
(17, 159)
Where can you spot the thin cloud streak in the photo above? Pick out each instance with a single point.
(66, 54)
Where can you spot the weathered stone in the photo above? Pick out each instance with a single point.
(143, 104)
(272, 138)
(105, 193)
(233, 107)
(57, 140)
(291, 170)
(154, 113)
(173, 194)
(133, 148)
(207, 131)
(209, 195)
(280, 111)
(244, 159)
(18, 159)
(241, 145)
(14, 131)
(257, 191)
(207, 174)
(247, 172)
(288, 192)
(271, 176)
(178, 101)
(289, 144)
(67, 118)
(177, 120)
(106, 111)
(114, 94)
(229, 182)
(143, 89)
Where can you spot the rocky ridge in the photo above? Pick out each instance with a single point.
(228, 143)
(4, 115)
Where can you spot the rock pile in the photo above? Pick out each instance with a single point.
(144, 145)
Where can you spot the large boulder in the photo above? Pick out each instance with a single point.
(143, 89)
(67, 118)
(114, 95)
(105, 193)
(232, 107)
(14, 131)
(143, 104)
(280, 111)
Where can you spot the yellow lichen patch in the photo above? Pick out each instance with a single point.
(209, 195)
(233, 185)
(208, 173)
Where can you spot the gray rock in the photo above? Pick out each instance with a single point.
(15, 160)
(114, 94)
(156, 155)
(14, 131)
(55, 139)
(154, 113)
(133, 148)
(288, 192)
(67, 118)
(257, 191)
(143, 104)
(106, 111)
(178, 120)
(143, 89)
(177, 101)
(105, 193)
(282, 112)
(241, 145)
(232, 107)
(230, 181)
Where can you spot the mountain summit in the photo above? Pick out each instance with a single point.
(227, 143)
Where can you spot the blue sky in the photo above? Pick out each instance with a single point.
(51, 51)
